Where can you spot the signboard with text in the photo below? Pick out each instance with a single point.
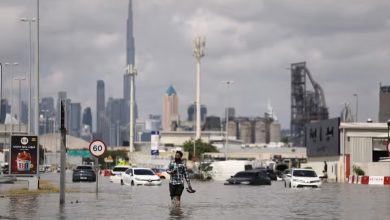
(24, 155)
(323, 138)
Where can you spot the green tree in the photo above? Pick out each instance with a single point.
(200, 148)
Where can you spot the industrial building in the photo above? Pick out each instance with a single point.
(347, 145)
(306, 105)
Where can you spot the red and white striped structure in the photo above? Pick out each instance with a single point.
(369, 180)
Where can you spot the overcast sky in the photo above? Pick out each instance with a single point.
(345, 43)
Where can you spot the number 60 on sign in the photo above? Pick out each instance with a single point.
(97, 148)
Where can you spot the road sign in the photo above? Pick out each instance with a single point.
(97, 148)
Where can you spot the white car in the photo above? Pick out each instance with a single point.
(302, 178)
(116, 173)
(140, 176)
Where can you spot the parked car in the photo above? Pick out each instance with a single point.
(270, 173)
(116, 173)
(250, 177)
(284, 174)
(84, 173)
(162, 173)
(140, 176)
(302, 178)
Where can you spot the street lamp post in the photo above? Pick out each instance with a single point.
(199, 44)
(357, 105)
(132, 71)
(29, 20)
(20, 100)
(12, 87)
(228, 83)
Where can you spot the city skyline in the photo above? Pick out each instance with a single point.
(345, 49)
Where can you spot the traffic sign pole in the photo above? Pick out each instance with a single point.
(97, 148)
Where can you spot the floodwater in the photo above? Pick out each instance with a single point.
(213, 200)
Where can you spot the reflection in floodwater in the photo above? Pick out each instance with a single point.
(23, 207)
(213, 200)
(176, 212)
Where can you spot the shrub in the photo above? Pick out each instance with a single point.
(358, 171)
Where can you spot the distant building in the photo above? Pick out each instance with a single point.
(153, 123)
(232, 129)
(100, 106)
(87, 117)
(384, 103)
(192, 110)
(275, 132)
(212, 123)
(260, 131)
(231, 113)
(5, 108)
(170, 110)
(245, 129)
(75, 119)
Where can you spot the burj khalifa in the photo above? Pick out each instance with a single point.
(130, 52)
(129, 78)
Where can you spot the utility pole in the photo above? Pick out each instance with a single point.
(30, 75)
(36, 122)
(228, 83)
(63, 158)
(199, 44)
(20, 101)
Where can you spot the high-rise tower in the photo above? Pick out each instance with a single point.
(130, 52)
(171, 110)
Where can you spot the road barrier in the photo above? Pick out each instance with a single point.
(369, 180)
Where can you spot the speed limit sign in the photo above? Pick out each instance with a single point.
(97, 148)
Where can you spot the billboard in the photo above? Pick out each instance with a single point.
(24, 155)
(154, 143)
(323, 138)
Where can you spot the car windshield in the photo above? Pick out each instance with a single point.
(84, 168)
(120, 169)
(244, 174)
(143, 172)
(304, 173)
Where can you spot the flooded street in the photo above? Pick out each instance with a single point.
(213, 200)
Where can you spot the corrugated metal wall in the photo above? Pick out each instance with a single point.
(361, 149)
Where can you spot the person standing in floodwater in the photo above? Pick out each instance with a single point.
(178, 172)
(325, 171)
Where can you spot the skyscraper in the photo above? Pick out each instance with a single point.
(86, 124)
(75, 119)
(170, 110)
(192, 110)
(87, 117)
(118, 115)
(100, 107)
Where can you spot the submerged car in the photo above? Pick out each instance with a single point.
(84, 173)
(250, 177)
(299, 178)
(162, 173)
(270, 173)
(116, 173)
(140, 176)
